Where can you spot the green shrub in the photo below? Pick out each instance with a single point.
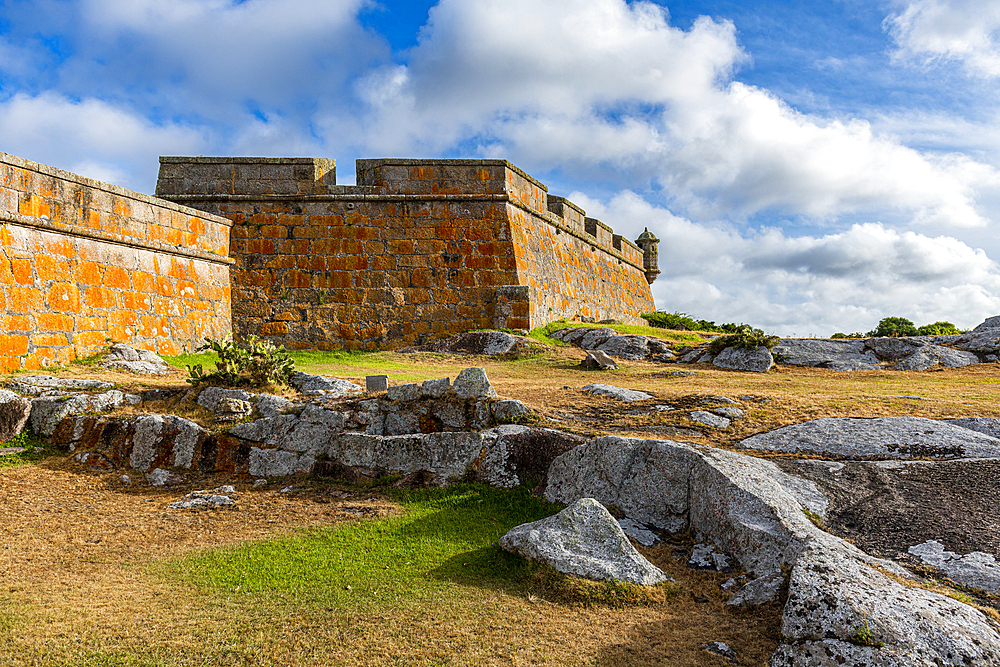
(894, 327)
(683, 322)
(856, 334)
(248, 361)
(938, 329)
(745, 338)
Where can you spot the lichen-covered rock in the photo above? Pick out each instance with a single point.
(509, 411)
(269, 405)
(709, 419)
(974, 570)
(321, 385)
(600, 360)
(229, 410)
(278, 463)
(595, 337)
(435, 388)
(894, 349)
(473, 383)
(14, 413)
(161, 477)
(639, 532)
(448, 455)
(34, 385)
(633, 348)
(210, 396)
(988, 425)
(761, 590)
(835, 354)
(127, 358)
(311, 431)
(404, 392)
(621, 394)
(48, 411)
(882, 437)
(756, 360)
(833, 595)
(583, 540)
(981, 341)
(930, 356)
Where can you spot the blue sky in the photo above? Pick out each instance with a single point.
(810, 167)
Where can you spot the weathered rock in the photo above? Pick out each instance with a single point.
(621, 394)
(48, 411)
(988, 425)
(721, 648)
(894, 349)
(691, 356)
(162, 439)
(575, 334)
(127, 358)
(600, 360)
(729, 411)
(708, 419)
(761, 590)
(14, 412)
(278, 463)
(448, 455)
(595, 337)
(583, 540)
(269, 405)
(882, 437)
(833, 354)
(202, 499)
(974, 570)
(705, 557)
(639, 532)
(980, 341)
(757, 360)
(229, 410)
(626, 347)
(512, 455)
(210, 396)
(34, 385)
(989, 323)
(505, 412)
(321, 385)
(404, 392)
(311, 431)
(161, 477)
(833, 595)
(930, 356)
(93, 460)
(435, 388)
(473, 383)
(832, 653)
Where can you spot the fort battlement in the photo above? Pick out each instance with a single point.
(82, 262)
(414, 250)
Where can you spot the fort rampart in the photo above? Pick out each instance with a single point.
(417, 249)
(82, 262)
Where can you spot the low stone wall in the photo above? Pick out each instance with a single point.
(82, 262)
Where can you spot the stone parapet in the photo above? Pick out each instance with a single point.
(83, 263)
(419, 249)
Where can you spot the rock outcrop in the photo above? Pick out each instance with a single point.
(586, 541)
(882, 437)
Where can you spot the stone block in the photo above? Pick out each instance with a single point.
(404, 392)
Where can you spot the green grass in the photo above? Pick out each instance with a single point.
(35, 448)
(542, 333)
(442, 537)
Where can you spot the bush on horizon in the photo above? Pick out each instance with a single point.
(683, 322)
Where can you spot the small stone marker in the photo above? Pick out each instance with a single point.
(376, 383)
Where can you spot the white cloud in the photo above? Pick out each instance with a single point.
(845, 281)
(964, 30)
(93, 138)
(601, 86)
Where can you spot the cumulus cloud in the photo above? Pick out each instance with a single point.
(843, 281)
(967, 31)
(93, 138)
(590, 86)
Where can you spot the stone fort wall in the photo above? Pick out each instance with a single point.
(82, 262)
(417, 249)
